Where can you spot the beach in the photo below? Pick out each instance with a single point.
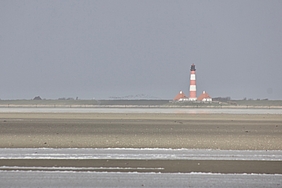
(134, 130)
(144, 130)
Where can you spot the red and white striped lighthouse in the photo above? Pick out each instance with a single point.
(193, 93)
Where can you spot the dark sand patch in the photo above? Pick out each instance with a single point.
(163, 166)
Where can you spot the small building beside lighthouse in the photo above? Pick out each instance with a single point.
(180, 97)
(204, 97)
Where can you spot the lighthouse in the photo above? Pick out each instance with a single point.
(193, 94)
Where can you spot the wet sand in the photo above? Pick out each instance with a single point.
(163, 166)
(86, 130)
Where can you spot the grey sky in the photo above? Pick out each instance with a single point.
(110, 48)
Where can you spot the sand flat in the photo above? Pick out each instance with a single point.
(142, 130)
(103, 130)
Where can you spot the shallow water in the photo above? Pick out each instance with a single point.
(103, 179)
(139, 154)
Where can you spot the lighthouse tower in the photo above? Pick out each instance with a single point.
(193, 94)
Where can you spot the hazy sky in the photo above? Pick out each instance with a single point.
(107, 48)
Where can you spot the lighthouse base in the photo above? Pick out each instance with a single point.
(192, 99)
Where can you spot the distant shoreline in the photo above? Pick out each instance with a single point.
(138, 106)
(233, 104)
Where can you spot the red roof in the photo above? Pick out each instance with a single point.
(180, 95)
(204, 95)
